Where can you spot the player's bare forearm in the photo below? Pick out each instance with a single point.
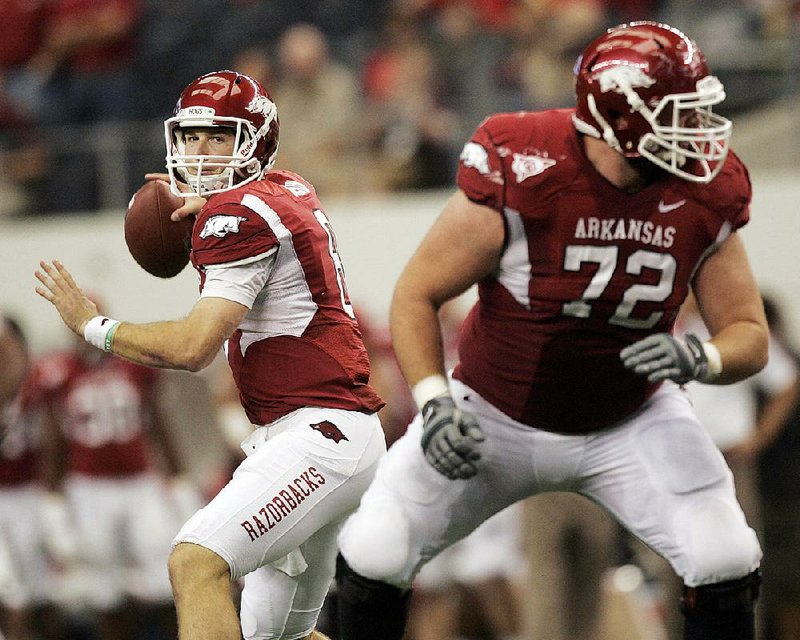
(190, 343)
(416, 336)
(730, 304)
(463, 246)
(743, 348)
(166, 345)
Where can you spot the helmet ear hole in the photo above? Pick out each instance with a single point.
(616, 118)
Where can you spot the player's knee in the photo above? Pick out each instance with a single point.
(190, 564)
(719, 544)
(375, 543)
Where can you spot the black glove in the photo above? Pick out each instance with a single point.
(661, 357)
(450, 438)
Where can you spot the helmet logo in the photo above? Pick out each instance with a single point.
(223, 85)
(474, 155)
(620, 78)
(263, 105)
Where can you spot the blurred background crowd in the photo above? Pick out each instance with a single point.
(376, 97)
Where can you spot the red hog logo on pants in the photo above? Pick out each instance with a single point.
(329, 430)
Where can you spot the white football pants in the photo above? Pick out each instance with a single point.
(657, 472)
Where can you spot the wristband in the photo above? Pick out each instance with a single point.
(99, 332)
(429, 388)
(110, 337)
(714, 362)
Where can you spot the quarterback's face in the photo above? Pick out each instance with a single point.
(216, 144)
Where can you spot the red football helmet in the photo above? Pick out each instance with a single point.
(646, 90)
(222, 99)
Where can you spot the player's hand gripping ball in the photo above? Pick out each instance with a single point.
(159, 245)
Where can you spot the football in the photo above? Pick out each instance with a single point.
(159, 245)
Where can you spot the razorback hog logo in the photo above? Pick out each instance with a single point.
(475, 156)
(623, 78)
(329, 430)
(262, 105)
(220, 226)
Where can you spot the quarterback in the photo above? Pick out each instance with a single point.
(584, 230)
(272, 292)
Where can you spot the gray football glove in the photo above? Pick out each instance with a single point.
(661, 357)
(450, 438)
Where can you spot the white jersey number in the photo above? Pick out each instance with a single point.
(606, 257)
(337, 262)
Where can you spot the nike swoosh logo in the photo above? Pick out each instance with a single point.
(663, 207)
(103, 321)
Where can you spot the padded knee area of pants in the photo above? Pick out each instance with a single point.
(375, 543)
(718, 543)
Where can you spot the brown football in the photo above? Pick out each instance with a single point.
(159, 245)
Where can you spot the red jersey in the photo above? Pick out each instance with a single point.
(21, 428)
(300, 344)
(587, 270)
(105, 406)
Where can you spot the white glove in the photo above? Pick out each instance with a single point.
(60, 538)
(662, 356)
(450, 438)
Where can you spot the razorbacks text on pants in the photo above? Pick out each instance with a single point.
(284, 503)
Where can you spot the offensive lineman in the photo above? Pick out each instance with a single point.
(584, 230)
(273, 292)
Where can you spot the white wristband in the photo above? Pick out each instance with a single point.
(429, 388)
(99, 332)
(714, 362)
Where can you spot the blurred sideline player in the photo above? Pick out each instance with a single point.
(584, 230)
(109, 512)
(570, 543)
(272, 292)
(780, 493)
(25, 578)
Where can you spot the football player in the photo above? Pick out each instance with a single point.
(584, 230)
(110, 466)
(272, 291)
(25, 580)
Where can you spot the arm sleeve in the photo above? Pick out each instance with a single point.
(480, 170)
(240, 283)
(227, 233)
